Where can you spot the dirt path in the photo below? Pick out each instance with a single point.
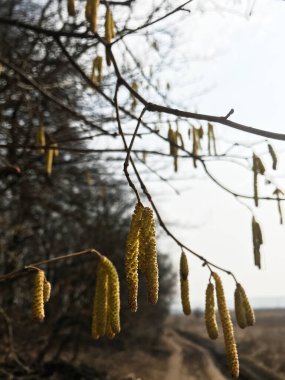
(188, 360)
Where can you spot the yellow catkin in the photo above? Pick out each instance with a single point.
(109, 331)
(113, 29)
(99, 314)
(131, 257)
(273, 156)
(257, 242)
(184, 284)
(108, 32)
(210, 316)
(135, 87)
(38, 296)
(277, 192)
(151, 266)
(49, 161)
(114, 295)
(41, 140)
(181, 140)
(258, 168)
(47, 290)
(97, 68)
(249, 313)
(200, 133)
(230, 344)
(92, 14)
(239, 310)
(195, 137)
(55, 149)
(170, 137)
(255, 179)
(175, 150)
(211, 140)
(71, 7)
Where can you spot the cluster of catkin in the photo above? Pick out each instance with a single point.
(49, 151)
(91, 15)
(41, 294)
(106, 304)
(174, 137)
(244, 317)
(141, 256)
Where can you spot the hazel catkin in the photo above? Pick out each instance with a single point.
(114, 294)
(47, 290)
(184, 284)
(273, 156)
(99, 314)
(248, 310)
(38, 296)
(210, 316)
(230, 344)
(131, 257)
(151, 266)
(239, 309)
(71, 7)
(49, 161)
(91, 13)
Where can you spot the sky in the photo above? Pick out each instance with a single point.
(234, 61)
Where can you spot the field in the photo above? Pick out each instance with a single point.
(186, 353)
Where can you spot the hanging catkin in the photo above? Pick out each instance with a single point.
(97, 67)
(38, 296)
(131, 257)
(149, 242)
(184, 284)
(71, 7)
(210, 316)
(257, 241)
(49, 161)
(47, 290)
(195, 137)
(109, 32)
(114, 295)
(255, 183)
(211, 140)
(239, 309)
(258, 168)
(134, 104)
(277, 192)
(248, 310)
(92, 14)
(273, 156)
(231, 349)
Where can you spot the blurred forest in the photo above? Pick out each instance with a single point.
(82, 205)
